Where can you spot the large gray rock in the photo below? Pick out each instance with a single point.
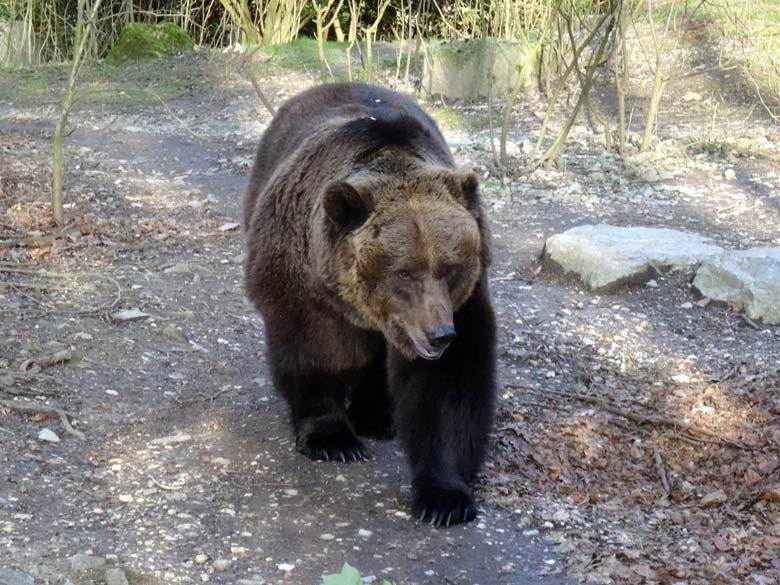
(607, 256)
(14, 577)
(462, 69)
(748, 278)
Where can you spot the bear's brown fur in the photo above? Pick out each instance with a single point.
(367, 258)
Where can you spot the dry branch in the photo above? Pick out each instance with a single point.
(645, 419)
(659, 466)
(32, 408)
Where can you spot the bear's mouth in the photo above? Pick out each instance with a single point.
(420, 347)
(426, 352)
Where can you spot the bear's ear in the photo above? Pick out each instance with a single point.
(464, 186)
(345, 206)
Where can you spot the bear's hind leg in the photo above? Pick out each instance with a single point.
(322, 429)
(370, 406)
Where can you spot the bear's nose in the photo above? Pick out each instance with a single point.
(441, 337)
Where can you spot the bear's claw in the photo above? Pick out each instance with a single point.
(443, 507)
(322, 449)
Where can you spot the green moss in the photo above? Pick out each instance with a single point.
(455, 120)
(148, 41)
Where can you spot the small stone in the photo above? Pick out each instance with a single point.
(221, 565)
(686, 306)
(220, 461)
(364, 533)
(201, 559)
(716, 497)
(252, 581)
(116, 576)
(79, 563)
(125, 498)
(730, 174)
(229, 227)
(652, 283)
(49, 436)
(291, 492)
(326, 536)
(129, 315)
(692, 96)
(172, 439)
(682, 378)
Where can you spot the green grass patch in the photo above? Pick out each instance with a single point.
(302, 55)
(454, 120)
(135, 83)
(139, 41)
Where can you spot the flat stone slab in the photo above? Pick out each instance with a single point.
(748, 278)
(14, 577)
(605, 256)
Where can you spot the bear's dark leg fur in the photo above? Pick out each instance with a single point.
(370, 406)
(444, 413)
(317, 406)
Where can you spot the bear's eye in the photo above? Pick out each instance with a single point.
(451, 274)
(404, 275)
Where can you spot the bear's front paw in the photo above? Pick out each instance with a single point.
(443, 506)
(329, 440)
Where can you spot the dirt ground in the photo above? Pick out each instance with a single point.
(179, 466)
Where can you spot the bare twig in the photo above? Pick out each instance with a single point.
(659, 466)
(642, 419)
(44, 273)
(259, 91)
(159, 484)
(22, 242)
(32, 408)
(749, 322)
(44, 362)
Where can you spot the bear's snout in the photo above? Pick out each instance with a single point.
(441, 337)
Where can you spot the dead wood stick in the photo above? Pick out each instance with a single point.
(749, 322)
(108, 305)
(21, 242)
(159, 484)
(659, 466)
(642, 419)
(44, 362)
(30, 285)
(32, 408)
(260, 94)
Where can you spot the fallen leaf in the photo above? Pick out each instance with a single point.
(644, 571)
(721, 544)
(751, 476)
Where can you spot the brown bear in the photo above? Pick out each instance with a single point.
(367, 257)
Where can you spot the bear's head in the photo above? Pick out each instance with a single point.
(405, 251)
